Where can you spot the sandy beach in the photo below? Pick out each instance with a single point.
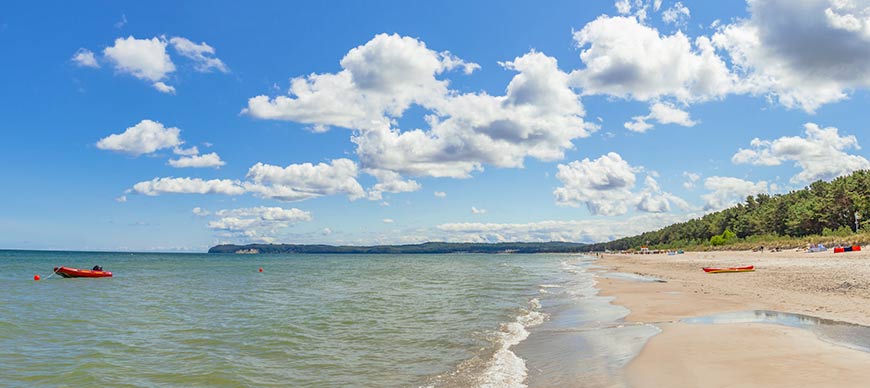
(824, 284)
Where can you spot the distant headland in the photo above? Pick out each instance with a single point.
(425, 248)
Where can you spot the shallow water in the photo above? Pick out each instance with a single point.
(841, 333)
(309, 321)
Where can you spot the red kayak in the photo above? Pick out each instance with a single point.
(68, 272)
(748, 268)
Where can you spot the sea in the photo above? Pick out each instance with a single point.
(215, 320)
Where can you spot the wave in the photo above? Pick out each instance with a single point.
(506, 369)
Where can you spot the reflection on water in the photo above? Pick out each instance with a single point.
(841, 333)
(585, 341)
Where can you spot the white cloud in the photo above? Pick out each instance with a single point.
(638, 125)
(389, 182)
(440, 194)
(326, 231)
(538, 117)
(606, 187)
(256, 223)
(627, 59)
(475, 210)
(820, 154)
(388, 220)
(163, 88)
(603, 185)
(678, 14)
(691, 178)
(654, 200)
(379, 79)
(269, 214)
(298, 182)
(85, 58)
(121, 199)
(201, 212)
(202, 54)
(664, 113)
(198, 161)
(145, 59)
(803, 53)
(186, 151)
(159, 186)
(586, 231)
(623, 7)
(143, 138)
(727, 191)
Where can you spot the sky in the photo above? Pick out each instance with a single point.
(167, 126)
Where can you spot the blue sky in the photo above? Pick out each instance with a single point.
(133, 126)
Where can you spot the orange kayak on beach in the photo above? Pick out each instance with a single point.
(68, 272)
(747, 268)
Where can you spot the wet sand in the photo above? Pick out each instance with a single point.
(826, 285)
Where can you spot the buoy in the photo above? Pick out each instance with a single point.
(261, 269)
(35, 277)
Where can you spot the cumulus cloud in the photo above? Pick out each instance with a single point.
(149, 136)
(148, 59)
(475, 210)
(606, 186)
(255, 223)
(389, 182)
(202, 54)
(539, 115)
(298, 182)
(198, 161)
(654, 200)
(295, 182)
(85, 58)
(820, 154)
(727, 191)
(603, 185)
(627, 59)
(145, 59)
(663, 113)
(158, 186)
(379, 79)
(803, 53)
(143, 138)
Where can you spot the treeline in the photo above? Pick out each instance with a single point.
(822, 208)
(429, 247)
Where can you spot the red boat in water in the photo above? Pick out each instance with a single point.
(748, 268)
(68, 272)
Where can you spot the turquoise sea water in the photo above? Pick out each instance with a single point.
(310, 321)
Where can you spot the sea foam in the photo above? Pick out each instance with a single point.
(506, 369)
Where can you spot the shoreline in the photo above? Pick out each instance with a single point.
(824, 284)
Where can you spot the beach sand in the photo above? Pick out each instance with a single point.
(826, 285)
